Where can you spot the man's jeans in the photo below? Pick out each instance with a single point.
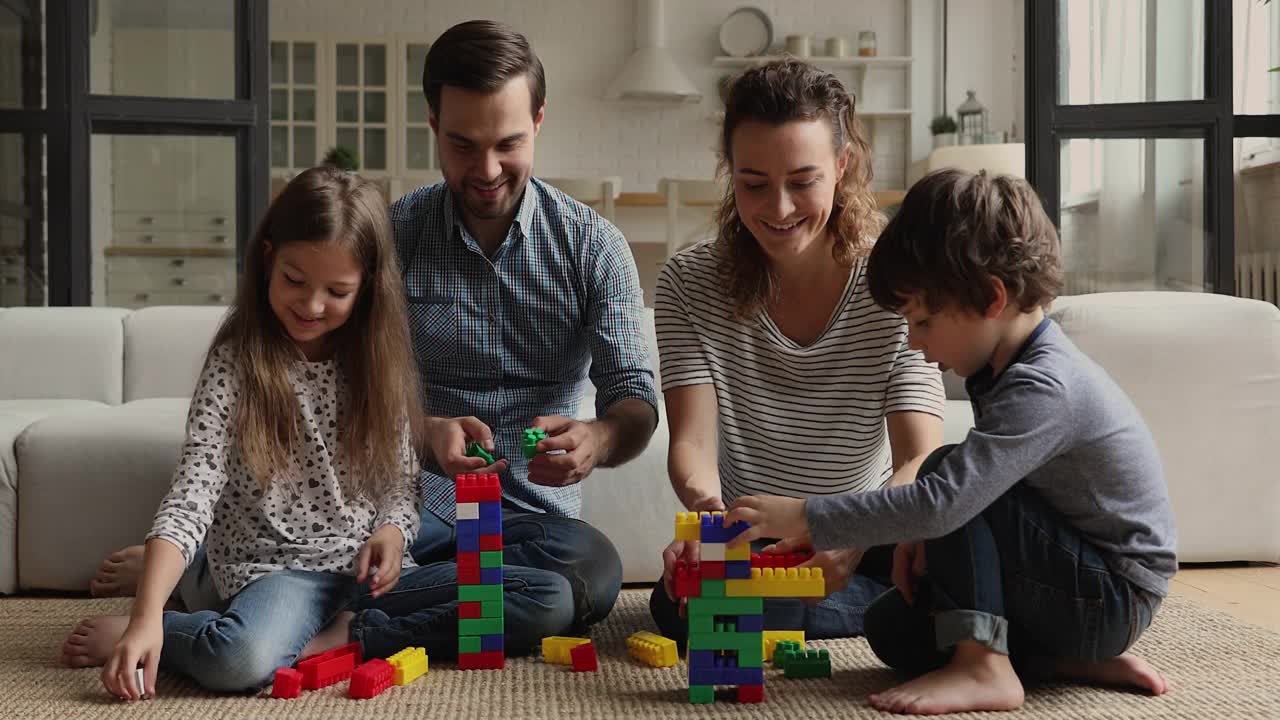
(1019, 579)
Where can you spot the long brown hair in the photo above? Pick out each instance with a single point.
(328, 206)
(775, 93)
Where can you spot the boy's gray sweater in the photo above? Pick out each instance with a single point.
(1055, 420)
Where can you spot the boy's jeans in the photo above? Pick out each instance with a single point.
(1019, 579)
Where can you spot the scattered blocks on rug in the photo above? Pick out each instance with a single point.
(653, 649)
(410, 664)
(329, 667)
(773, 637)
(806, 664)
(287, 683)
(555, 649)
(584, 658)
(370, 679)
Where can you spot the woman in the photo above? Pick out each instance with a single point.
(779, 371)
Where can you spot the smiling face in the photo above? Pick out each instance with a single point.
(784, 183)
(312, 290)
(486, 146)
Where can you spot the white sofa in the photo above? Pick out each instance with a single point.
(93, 403)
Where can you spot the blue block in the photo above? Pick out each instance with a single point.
(744, 676)
(707, 676)
(702, 659)
(489, 643)
(750, 623)
(714, 531)
(489, 526)
(468, 529)
(737, 570)
(491, 511)
(469, 544)
(491, 576)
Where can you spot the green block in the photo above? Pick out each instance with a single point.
(491, 609)
(480, 626)
(491, 558)
(751, 657)
(740, 641)
(474, 450)
(724, 606)
(529, 441)
(469, 644)
(784, 650)
(808, 664)
(479, 593)
(702, 694)
(701, 623)
(713, 589)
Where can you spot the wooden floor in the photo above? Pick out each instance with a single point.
(1249, 591)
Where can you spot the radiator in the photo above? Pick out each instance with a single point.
(1257, 274)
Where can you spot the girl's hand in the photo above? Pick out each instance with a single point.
(769, 516)
(384, 551)
(140, 643)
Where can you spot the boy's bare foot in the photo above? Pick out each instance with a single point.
(91, 642)
(1124, 670)
(977, 678)
(337, 634)
(118, 574)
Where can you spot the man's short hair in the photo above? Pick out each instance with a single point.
(482, 55)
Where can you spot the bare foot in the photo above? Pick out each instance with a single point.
(1125, 670)
(118, 574)
(337, 634)
(91, 643)
(975, 679)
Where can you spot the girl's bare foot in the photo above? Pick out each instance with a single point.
(337, 634)
(118, 574)
(977, 678)
(1125, 670)
(91, 642)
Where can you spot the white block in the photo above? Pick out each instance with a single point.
(711, 552)
(468, 511)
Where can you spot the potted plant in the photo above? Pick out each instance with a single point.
(943, 128)
(342, 158)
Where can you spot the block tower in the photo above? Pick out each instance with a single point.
(479, 532)
(726, 591)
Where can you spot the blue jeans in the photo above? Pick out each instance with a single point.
(840, 614)
(1019, 579)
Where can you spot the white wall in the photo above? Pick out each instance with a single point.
(984, 52)
(583, 44)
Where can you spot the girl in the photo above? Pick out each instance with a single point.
(299, 465)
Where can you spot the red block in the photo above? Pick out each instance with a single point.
(492, 660)
(712, 569)
(329, 667)
(750, 693)
(469, 611)
(779, 560)
(583, 658)
(688, 579)
(478, 488)
(490, 542)
(371, 678)
(287, 683)
(468, 575)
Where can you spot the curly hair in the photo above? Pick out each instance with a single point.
(775, 93)
(957, 230)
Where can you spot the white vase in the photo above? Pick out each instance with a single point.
(944, 139)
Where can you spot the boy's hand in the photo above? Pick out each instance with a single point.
(140, 643)
(384, 551)
(769, 516)
(447, 438)
(908, 567)
(837, 566)
(578, 444)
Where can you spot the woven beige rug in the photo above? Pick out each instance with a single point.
(1218, 667)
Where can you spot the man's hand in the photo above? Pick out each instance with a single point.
(384, 552)
(769, 516)
(448, 437)
(908, 567)
(581, 445)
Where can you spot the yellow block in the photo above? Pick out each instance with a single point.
(688, 526)
(652, 649)
(773, 637)
(410, 664)
(742, 552)
(555, 649)
(778, 582)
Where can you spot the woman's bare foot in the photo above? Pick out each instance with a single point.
(91, 643)
(977, 678)
(118, 574)
(337, 634)
(1125, 670)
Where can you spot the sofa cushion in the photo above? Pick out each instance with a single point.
(164, 350)
(91, 482)
(62, 353)
(1204, 371)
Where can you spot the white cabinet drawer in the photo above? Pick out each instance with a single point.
(210, 222)
(125, 221)
(171, 265)
(172, 238)
(190, 282)
(143, 299)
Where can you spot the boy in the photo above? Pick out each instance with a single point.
(1048, 532)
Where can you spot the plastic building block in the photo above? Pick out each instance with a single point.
(480, 626)
(742, 642)
(481, 593)
(736, 570)
(370, 679)
(467, 511)
(711, 552)
(529, 441)
(688, 526)
(469, 610)
(751, 623)
(783, 651)
(688, 579)
(773, 637)
(725, 606)
(779, 560)
(482, 487)
(490, 542)
(583, 658)
(807, 664)
(713, 588)
(712, 570)
(555, 649)
(475, 450)
(653, 649)
(751, 693)
(482, 661)
(469, 645)
(702, 694)
(491, 559)
(491, 576)
(742, 553)
(329, 667)
(489, 643)
(287, 683)
(714, 531)
(778, 582)
(410, 664)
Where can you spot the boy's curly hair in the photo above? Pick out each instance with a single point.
(956, 231)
